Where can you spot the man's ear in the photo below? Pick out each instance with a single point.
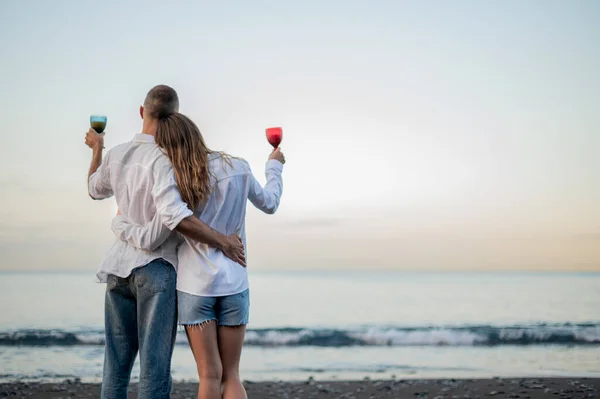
(142, 111)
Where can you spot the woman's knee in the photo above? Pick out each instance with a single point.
(213, 372)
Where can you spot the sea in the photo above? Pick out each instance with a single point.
(334, 325)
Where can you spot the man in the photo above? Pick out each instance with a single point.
(140, 302)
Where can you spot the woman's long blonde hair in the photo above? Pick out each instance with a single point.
(183, 143)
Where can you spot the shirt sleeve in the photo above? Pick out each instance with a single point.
(148, 237)
(267, 198)
(99, 186)
(167, 199)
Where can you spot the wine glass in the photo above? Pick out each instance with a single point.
(274, 136)
(98, 123)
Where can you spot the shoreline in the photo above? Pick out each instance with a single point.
(532, 388)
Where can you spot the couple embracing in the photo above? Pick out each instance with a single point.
(179, 255)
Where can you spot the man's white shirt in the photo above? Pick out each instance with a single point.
(141, 178)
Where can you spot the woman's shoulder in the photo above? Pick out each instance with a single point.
(228, 162)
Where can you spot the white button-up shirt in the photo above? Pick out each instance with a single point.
(204, 270)
(141, 178)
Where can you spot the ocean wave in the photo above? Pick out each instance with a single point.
(537, 334)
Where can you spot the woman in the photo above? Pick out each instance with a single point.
(212, 290)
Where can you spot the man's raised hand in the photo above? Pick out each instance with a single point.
(94, 140)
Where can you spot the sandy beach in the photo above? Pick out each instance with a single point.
(532, 388)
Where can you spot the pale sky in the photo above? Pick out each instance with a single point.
(422, 135)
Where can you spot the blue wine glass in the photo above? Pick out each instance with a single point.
(98, 123)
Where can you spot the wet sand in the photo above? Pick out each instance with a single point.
(532, 388)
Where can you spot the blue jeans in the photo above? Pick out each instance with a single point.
(140, 315)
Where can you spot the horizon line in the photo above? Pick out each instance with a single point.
(341, 270)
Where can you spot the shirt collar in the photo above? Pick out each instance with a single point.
(144, 138)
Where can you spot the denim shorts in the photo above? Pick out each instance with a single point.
(231, 310)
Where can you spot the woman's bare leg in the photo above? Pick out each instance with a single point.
(203, 341)
(230, 341)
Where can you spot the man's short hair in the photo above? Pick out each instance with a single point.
(161, 101)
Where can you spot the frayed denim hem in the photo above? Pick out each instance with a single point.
(197, 324)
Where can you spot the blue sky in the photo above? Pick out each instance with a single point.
(419, 135)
